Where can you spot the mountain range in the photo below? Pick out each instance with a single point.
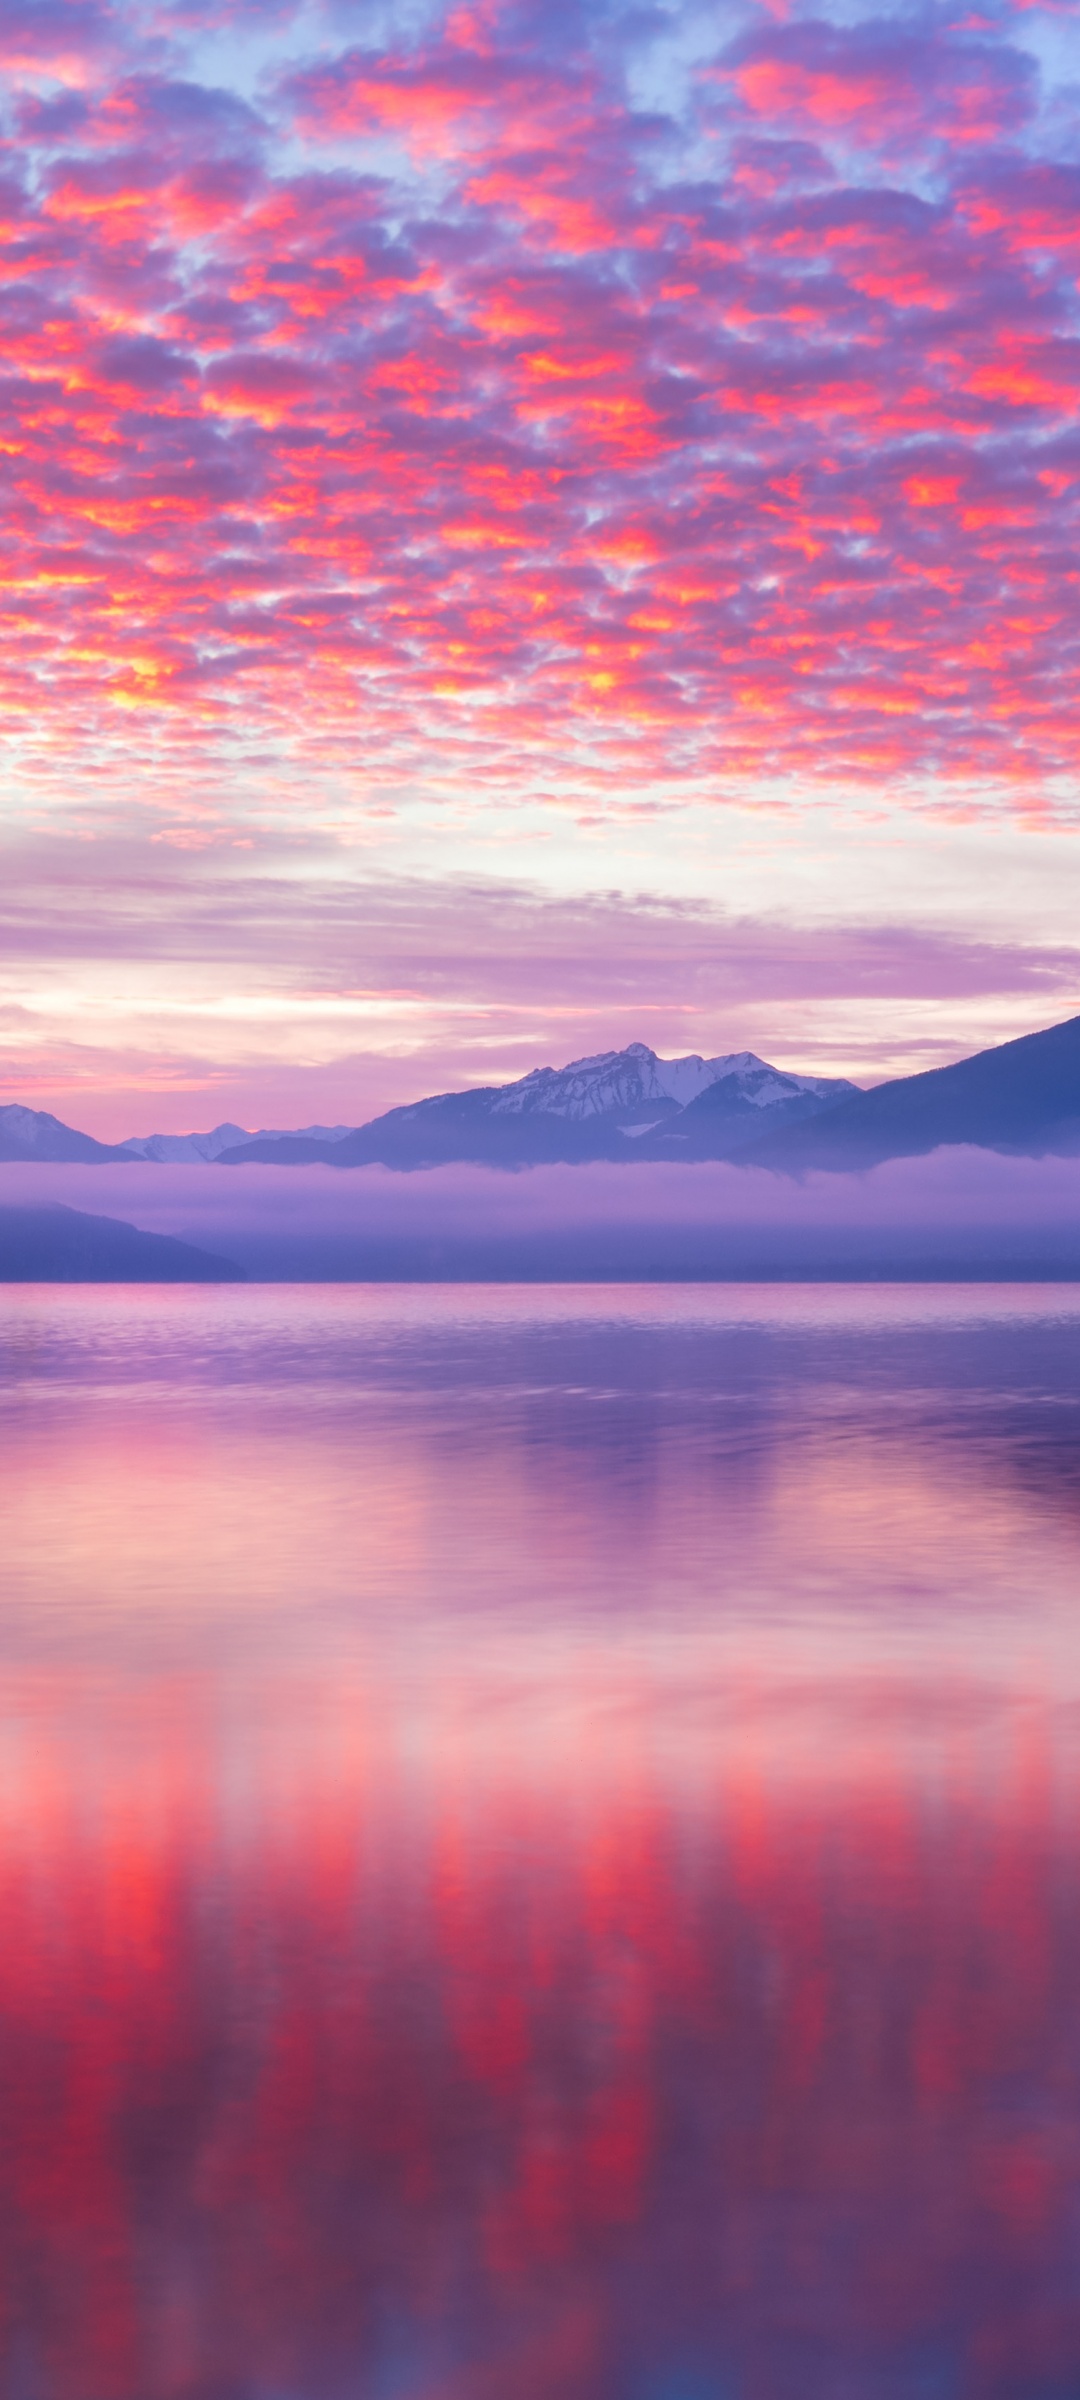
(31, 1133)
(611, 1106)
(1021, 1097)
(601, 1107)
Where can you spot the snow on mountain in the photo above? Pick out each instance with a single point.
(31, 1133)
(32, 1129)
(631, 1078)
(767, 1087)
(617, 1102)
(588, 1087)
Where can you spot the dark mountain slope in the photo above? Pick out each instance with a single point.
(452, 1128)
(1023, 1097)
(62, 1245)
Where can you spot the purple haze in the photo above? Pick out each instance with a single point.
(965, 1212)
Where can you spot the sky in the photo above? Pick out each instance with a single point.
(529, 527)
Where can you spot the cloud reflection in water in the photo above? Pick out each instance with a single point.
(540, 1846)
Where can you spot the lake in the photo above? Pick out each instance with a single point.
(541, 1843)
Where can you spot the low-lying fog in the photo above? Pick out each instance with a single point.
(956, 1212)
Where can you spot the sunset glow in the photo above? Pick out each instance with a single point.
(547, 1885)
(536, 438)
(524, 397)
(376, 2089)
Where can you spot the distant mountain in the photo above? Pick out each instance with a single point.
(1023, 1097)
(620, 1104)
(32, 1134)
(167, 1149)
(172, 1149)
(62, 1245)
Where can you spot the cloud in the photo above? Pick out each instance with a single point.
(449, 412)
(889, 87)
(65, 40)
(477, 938)
(145, 989)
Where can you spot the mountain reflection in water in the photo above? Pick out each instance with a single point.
(540, 1856)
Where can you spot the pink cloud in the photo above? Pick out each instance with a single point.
(575, 461)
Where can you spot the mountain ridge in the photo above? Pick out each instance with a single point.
(605, 1106)
(1020, 1097)
(602, 1106)
(53, 1244)
(35, 1135)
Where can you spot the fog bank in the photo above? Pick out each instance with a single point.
(958, 1213)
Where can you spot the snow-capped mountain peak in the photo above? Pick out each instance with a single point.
(614, 1103)
(762, 1085)
(26, 1124)
(610, 1080)
(618, 1080)
(32, 1133)
(588, 1087)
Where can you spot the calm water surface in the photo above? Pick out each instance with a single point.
(540, 1844)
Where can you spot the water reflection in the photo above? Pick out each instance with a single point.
(540, 1847)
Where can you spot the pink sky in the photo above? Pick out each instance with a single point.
(528, 527)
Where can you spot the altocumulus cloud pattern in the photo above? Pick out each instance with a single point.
(594, 396)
